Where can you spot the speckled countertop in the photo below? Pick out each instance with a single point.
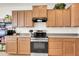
(64, 35)
(51, 35)
(27, 35)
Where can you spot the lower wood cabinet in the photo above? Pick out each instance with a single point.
(11, 45)
(68, 47)
(23, 45)
(18, 45)
(55, 47)
(77, 47)
(61, 47)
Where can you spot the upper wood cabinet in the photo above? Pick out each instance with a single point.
(75, 14)
(66, 16)
(20, 18)
(68, 47)
(40, 11)
(55, 47)
(11, 45)
(28, 18)
(59, 20)
(63, 18)
(14, 17)
(51, 18)
(23, 45)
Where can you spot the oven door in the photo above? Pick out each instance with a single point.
(39, 47)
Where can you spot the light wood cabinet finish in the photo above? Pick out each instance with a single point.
(40, 11)
(20, 19)
(55, 47)
(77, 47)
(11, 45)
(59, 19)
(28, 18)
(66, 16)
(51, 18)
(75, 14)
(14, 17)
(62, 46)
(23, 45)
(68, 47)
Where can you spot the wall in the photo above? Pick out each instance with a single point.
(6, 8)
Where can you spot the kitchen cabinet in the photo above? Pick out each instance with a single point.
(59, 20)
(62, 46)
(11, 45)
(66, 16)
(55, 47)
(21, 19)
(23, 45)
(40, 11)
(75, 15)
(28, 18)
(77, 47)
(51, 18)
(14, 18)
(68, 47)
(17, 45)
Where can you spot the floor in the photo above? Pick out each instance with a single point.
(3, 54)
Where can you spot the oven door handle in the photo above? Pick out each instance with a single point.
(39, 40)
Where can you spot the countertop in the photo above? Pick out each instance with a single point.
(18, 36)
(64, 35)
(50, 35)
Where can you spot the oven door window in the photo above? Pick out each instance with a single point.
(39, 47)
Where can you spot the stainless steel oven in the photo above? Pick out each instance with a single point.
(39, 45)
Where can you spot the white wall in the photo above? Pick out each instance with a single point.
(6, 8)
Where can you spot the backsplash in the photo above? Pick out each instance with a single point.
(50, 30)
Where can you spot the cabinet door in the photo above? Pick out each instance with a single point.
(28, 18)
(35, 11)
(66, 17)
(43, 11)
(51, 18)
(75, 14)
(77, 47)
(11, 45)
(55, 47)
(59, 20)
(20, 18)
(40, 11)
(23, 45)
(68, 47)
(14, 17)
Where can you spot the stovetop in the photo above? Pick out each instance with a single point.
(39, 37)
